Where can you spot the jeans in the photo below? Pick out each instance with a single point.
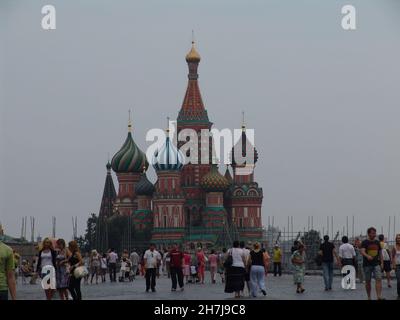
(113, 271)
(151, 279)
(75, 288)
(398, 279)
(327, 268)
(4, 295)
(176, 273)
(257, 279)
(277, 268)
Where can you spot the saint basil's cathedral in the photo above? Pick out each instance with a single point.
(190, 204)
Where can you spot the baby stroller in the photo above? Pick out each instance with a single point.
(126, 271)
(193, 274)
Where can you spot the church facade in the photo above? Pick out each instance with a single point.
(191, 204)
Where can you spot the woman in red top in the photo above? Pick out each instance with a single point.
(201, 262)
(187, 259)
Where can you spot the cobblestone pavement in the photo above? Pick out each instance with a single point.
(278, 288)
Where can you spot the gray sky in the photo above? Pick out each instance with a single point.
(324, 102)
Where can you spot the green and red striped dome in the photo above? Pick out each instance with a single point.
(129, 158)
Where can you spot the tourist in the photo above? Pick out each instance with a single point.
(347, 253)
(142, 265)
(125, 269)
(47, 257)
(7, 274)
(151, 259)
(166, 263)
(135, 258)
(396, 262)
(194, 268)
(75, 261)
(213, 263)
(186, 265)
(62, 276)
(17, 257)
(387, 264)
(94, 266)
(246, 252)
(373, 263)
(112, 265)
(201, 264)
(236, 271)
(258, 267)
(103, 267)
(359, 260)
(221, 261)
(327, 251)
(176, 264)
(277, 260)
(298, 261)
(86, 263)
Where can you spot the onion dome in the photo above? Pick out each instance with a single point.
(129, 158)
(168, 157)
(144, 187)
(244, 146)
(193, 55)
(214, 181)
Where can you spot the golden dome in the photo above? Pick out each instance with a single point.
(193, 55)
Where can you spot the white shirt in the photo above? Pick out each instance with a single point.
(135, 258)
(152, 257)
(237, 257)
(346, 251)
(47, 259)
(113, 257)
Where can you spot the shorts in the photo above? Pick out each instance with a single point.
(369, 270)
(387, 266)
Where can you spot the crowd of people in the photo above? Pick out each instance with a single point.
(371, 257)
(242, 268)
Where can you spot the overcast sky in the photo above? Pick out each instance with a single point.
(324, 102)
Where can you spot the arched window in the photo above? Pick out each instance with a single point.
(165, 221)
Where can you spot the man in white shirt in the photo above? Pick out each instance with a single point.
(152, 259)
(135, 262)
(112, 265)
(347, 253)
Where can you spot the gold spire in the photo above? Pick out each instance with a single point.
(129, 122)
(243, 125)
(193, 55)
(167, 129)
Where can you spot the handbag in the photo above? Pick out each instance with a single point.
(80, 272)
(228, 261)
